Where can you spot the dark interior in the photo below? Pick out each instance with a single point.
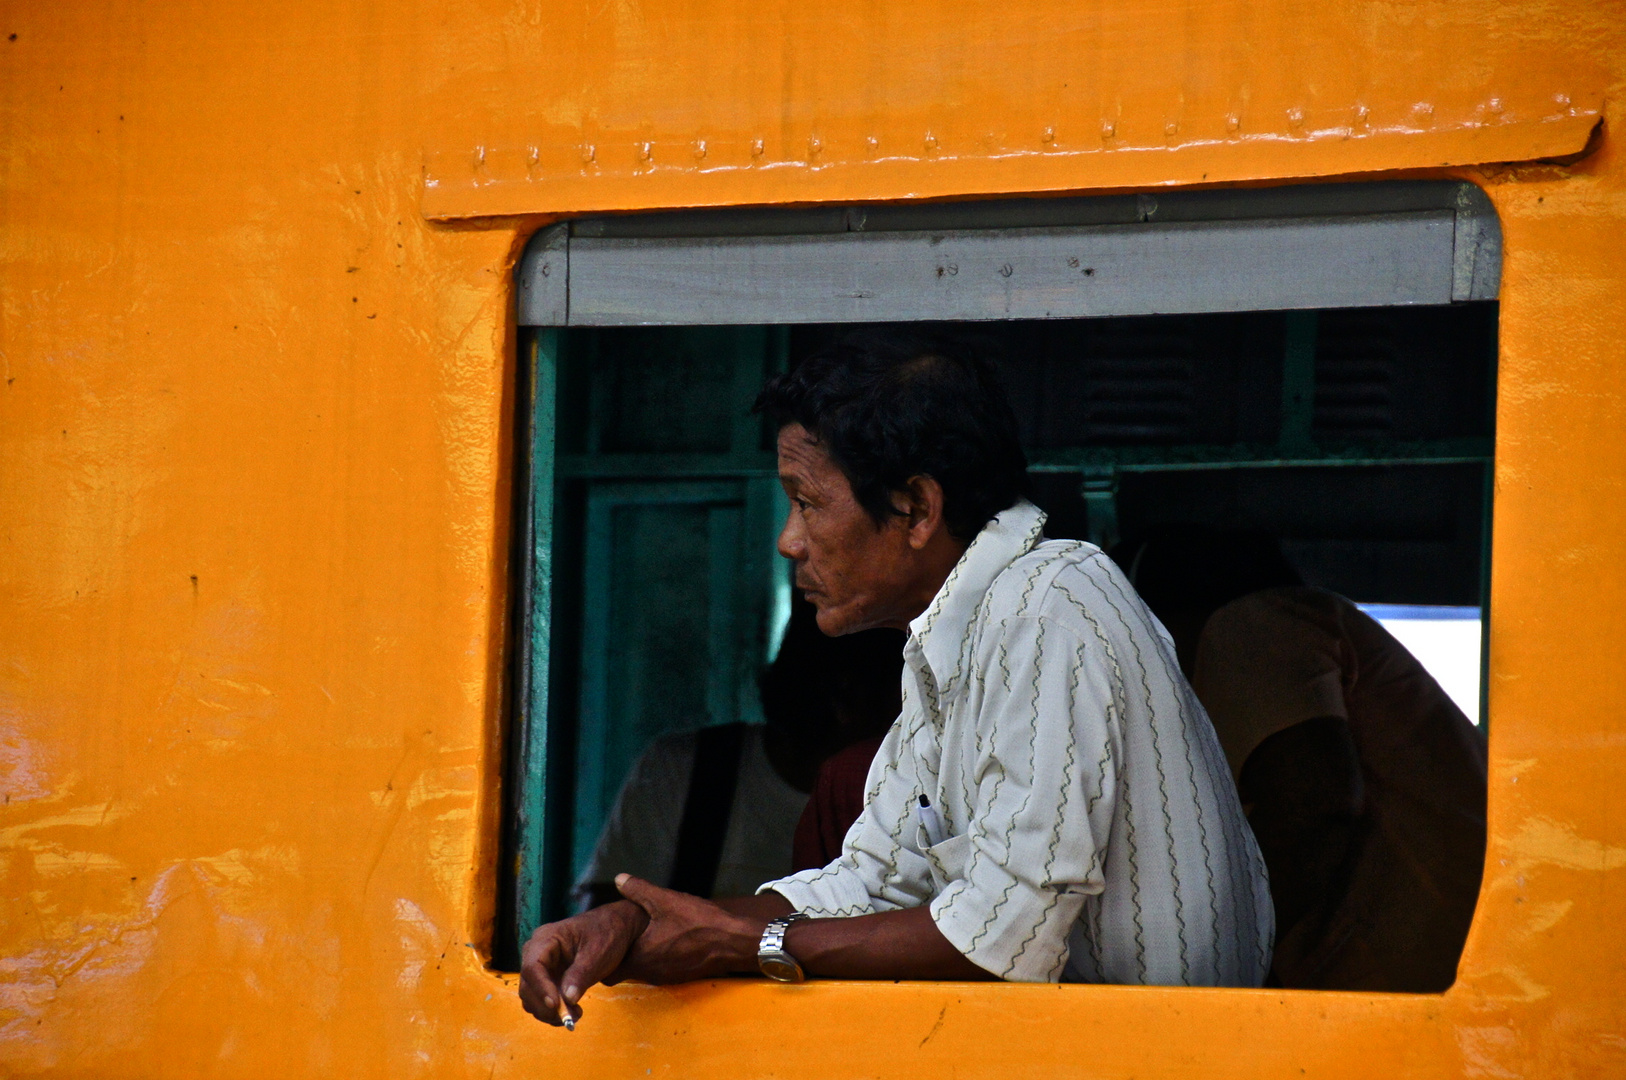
(1361, 438)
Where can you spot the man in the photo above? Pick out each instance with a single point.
(1051, 804)
(1363, 781)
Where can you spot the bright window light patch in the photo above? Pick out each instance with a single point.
(1445, 640)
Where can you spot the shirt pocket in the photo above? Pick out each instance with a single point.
(946, 861)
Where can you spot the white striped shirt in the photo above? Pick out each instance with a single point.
(1092, 829)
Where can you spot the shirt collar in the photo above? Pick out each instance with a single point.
(940, 631)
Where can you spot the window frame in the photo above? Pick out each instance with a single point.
(590, 272)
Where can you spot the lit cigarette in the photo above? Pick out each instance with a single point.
(564, 1015)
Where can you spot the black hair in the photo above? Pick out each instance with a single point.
(890, 405)
(1199, 568)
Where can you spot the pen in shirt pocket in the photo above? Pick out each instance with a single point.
(930, 822)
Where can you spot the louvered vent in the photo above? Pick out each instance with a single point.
(1139, 388)
(1355, 376)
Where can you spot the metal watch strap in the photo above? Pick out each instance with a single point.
(773, 935)
(772, 958)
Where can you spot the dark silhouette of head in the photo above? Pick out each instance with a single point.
(1187, 572)
(822, 693)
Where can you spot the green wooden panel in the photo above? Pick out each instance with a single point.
(663, 390)
(680, 580)
(673, 619)
(533, 730)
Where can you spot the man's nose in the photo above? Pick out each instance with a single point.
(791, 544)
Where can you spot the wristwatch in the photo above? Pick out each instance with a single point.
(772, 958)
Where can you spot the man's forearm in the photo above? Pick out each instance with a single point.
(764, 906)
(888, 945)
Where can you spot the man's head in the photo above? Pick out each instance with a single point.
(895, 449)
(1185, 573)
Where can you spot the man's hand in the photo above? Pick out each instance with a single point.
(563, 959)
(687, 937)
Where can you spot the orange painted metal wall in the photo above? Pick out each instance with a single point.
(256, 354)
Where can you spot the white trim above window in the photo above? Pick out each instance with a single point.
(1328, 246)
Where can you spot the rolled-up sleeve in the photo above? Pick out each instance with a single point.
(880, 868)
(1042, 809)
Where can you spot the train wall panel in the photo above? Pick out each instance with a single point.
(256, 375)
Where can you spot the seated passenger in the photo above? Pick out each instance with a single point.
(1023, 820)
(864, 674)
(834, 804)
(713, 812)
(1363, 781)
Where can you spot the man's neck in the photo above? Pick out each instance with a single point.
(934, 564)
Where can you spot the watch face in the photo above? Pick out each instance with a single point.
(780, 967)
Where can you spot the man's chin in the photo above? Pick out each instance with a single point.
(835, 621)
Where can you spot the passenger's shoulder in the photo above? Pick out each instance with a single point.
(1054, 579)
(1266, 621)
(675, 749)
(1286, 603)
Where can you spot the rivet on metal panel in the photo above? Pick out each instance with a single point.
(588, 154)
(1171, 128)
(1495, 106)
(756, 148)
(1362, 115)
(1232, 122)
(700, 149)
(480, 165)
(646, 152)
(1563, 103)
(872, 145)
(931, 143)
(1423, 110)
(1108, 129)
(814, 145)
(1048, 136)
(1295, 117)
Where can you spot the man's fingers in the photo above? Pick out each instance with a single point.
(538, 980)
(591, 964)
(639, 891)
(532, 1000)
(537, 986)
(541, 968)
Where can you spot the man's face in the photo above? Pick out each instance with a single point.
(855, 574)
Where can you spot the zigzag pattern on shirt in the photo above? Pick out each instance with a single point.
(848, 862)
(1115, 704)
(1135, 603)
(894, 877)
(993, 801)
(1162, 786)
(1074, 678)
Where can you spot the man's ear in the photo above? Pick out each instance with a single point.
(921, 501)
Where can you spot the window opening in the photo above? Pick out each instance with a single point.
(650, 591)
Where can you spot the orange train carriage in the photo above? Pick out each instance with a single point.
(352, 357)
